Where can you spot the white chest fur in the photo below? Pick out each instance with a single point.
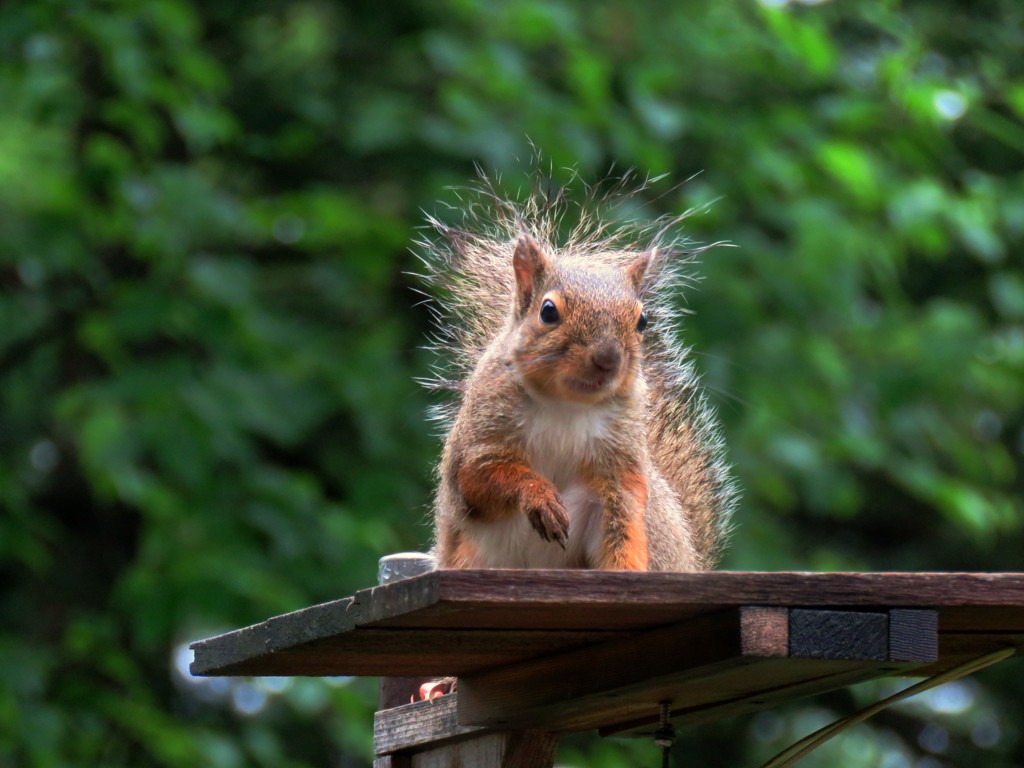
(561, 437)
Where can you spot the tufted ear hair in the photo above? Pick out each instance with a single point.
(636, 270)
(529, 264)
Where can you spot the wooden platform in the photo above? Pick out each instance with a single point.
(573, 650)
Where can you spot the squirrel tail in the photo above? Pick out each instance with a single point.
(470, 281)
(688, 449)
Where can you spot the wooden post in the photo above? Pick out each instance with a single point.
(413, 734)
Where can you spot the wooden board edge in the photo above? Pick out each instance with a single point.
(423, 723)
(219, 655)
(398, 598)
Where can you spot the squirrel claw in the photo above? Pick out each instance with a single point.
(550, 530)
(550, 520)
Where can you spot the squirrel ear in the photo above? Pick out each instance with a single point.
(637, 268)
(529, 263)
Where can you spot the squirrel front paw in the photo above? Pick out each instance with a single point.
(546, 513)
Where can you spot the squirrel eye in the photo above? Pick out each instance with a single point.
(641, 324)
(549, 312)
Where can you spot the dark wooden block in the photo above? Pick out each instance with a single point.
(824, 634)
(913, 635)
(898, 635)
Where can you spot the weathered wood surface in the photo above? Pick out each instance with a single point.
(460, 622)
(424, 723)
(700, 664)
(527, 599)
(574, 650)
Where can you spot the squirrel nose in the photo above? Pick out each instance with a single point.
(607, 358)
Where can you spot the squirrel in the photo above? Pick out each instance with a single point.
(580, 437)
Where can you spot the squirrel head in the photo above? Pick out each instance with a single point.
(578, 326)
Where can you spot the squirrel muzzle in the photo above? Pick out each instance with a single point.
(595, 374)
(607, 358)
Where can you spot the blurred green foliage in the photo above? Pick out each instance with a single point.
(208, 344)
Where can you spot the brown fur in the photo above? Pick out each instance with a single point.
(624, 541)
(579, 442)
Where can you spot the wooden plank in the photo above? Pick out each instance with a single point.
(394, 653)
(226, 653)
(345, 636)
(399, 598)
(412, 727)
(567, 599)
(429, 733)
(695, 662)
(583, 649)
